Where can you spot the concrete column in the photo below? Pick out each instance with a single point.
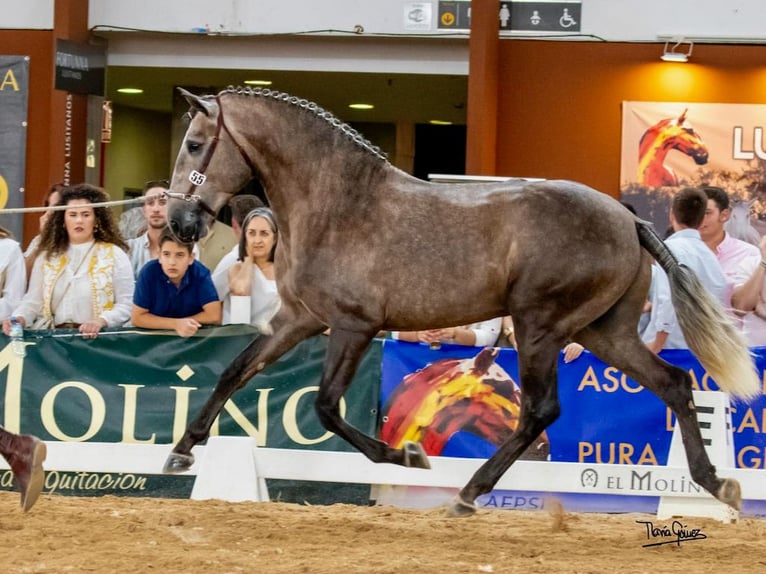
(484, 44)
(69, 112)
(405, 145)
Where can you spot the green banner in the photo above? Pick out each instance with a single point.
(128, 386)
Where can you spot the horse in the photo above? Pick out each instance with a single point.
(658, 140)
(365, 247)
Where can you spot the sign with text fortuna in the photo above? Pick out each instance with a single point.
(80, 68)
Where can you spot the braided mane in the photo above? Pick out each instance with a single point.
(321, 113)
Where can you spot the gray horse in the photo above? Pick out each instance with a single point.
(364, 246)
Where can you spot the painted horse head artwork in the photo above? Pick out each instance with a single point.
(664, 136)
(366, 247)
(448, 397)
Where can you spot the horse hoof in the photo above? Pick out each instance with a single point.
(177, 463)
(730, 493)
(460, 508)
(414, 455)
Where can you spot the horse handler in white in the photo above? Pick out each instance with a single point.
(25, 454)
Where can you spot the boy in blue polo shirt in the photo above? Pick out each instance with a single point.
(175, 291)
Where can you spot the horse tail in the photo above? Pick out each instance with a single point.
(709, 332)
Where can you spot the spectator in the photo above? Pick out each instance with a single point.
(52, 197)
(82, 278)
(175, 291)
(739, 261)
(146, 246)
(253, 274)
(25, 455)
(240, 206)
(749, 298)
(13, 275)
(687, 212)
(483, 334)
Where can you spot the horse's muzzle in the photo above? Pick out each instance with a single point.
(185, 225)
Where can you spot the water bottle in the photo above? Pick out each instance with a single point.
(17, 337)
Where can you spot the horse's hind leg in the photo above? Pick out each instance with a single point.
(616, 342)
(290, 329)
(538, 363)
(343, 354)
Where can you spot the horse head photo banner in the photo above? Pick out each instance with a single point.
(670, 145)
(14, 89)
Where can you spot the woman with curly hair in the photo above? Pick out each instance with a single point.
(83, 278)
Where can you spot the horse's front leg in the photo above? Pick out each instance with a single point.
(344, 352)
(539, 408)
(260, 353)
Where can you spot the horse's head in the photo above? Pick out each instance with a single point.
(688, 141)
(208, 170)
(668, 134)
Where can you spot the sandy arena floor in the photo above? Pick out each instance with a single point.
(63, 534)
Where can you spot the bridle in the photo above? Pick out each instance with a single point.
(198, 177)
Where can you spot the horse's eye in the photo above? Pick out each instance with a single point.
(193, 146)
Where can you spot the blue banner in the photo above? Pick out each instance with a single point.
(606, 417)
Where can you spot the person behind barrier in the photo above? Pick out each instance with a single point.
(13, 275)
(739, 260)
(253, 274)
(483, 334)
(25, 455)
(146, 246)
(175, 291)
(154, 213)
(240, 206)
(52, 197)
(687, 212)
(82, 279)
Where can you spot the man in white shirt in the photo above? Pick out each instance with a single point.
(686, 215)
(742, 264)
(146, 246)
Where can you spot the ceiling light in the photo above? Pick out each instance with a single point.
(130, 90)
(671, 55)
(439, 123)
(361, 106)
(258, 82)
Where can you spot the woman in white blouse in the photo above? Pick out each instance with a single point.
(83, 278)
(253, 274)
(13, 274)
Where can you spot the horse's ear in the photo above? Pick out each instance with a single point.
(682, 117)
(196, 102)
